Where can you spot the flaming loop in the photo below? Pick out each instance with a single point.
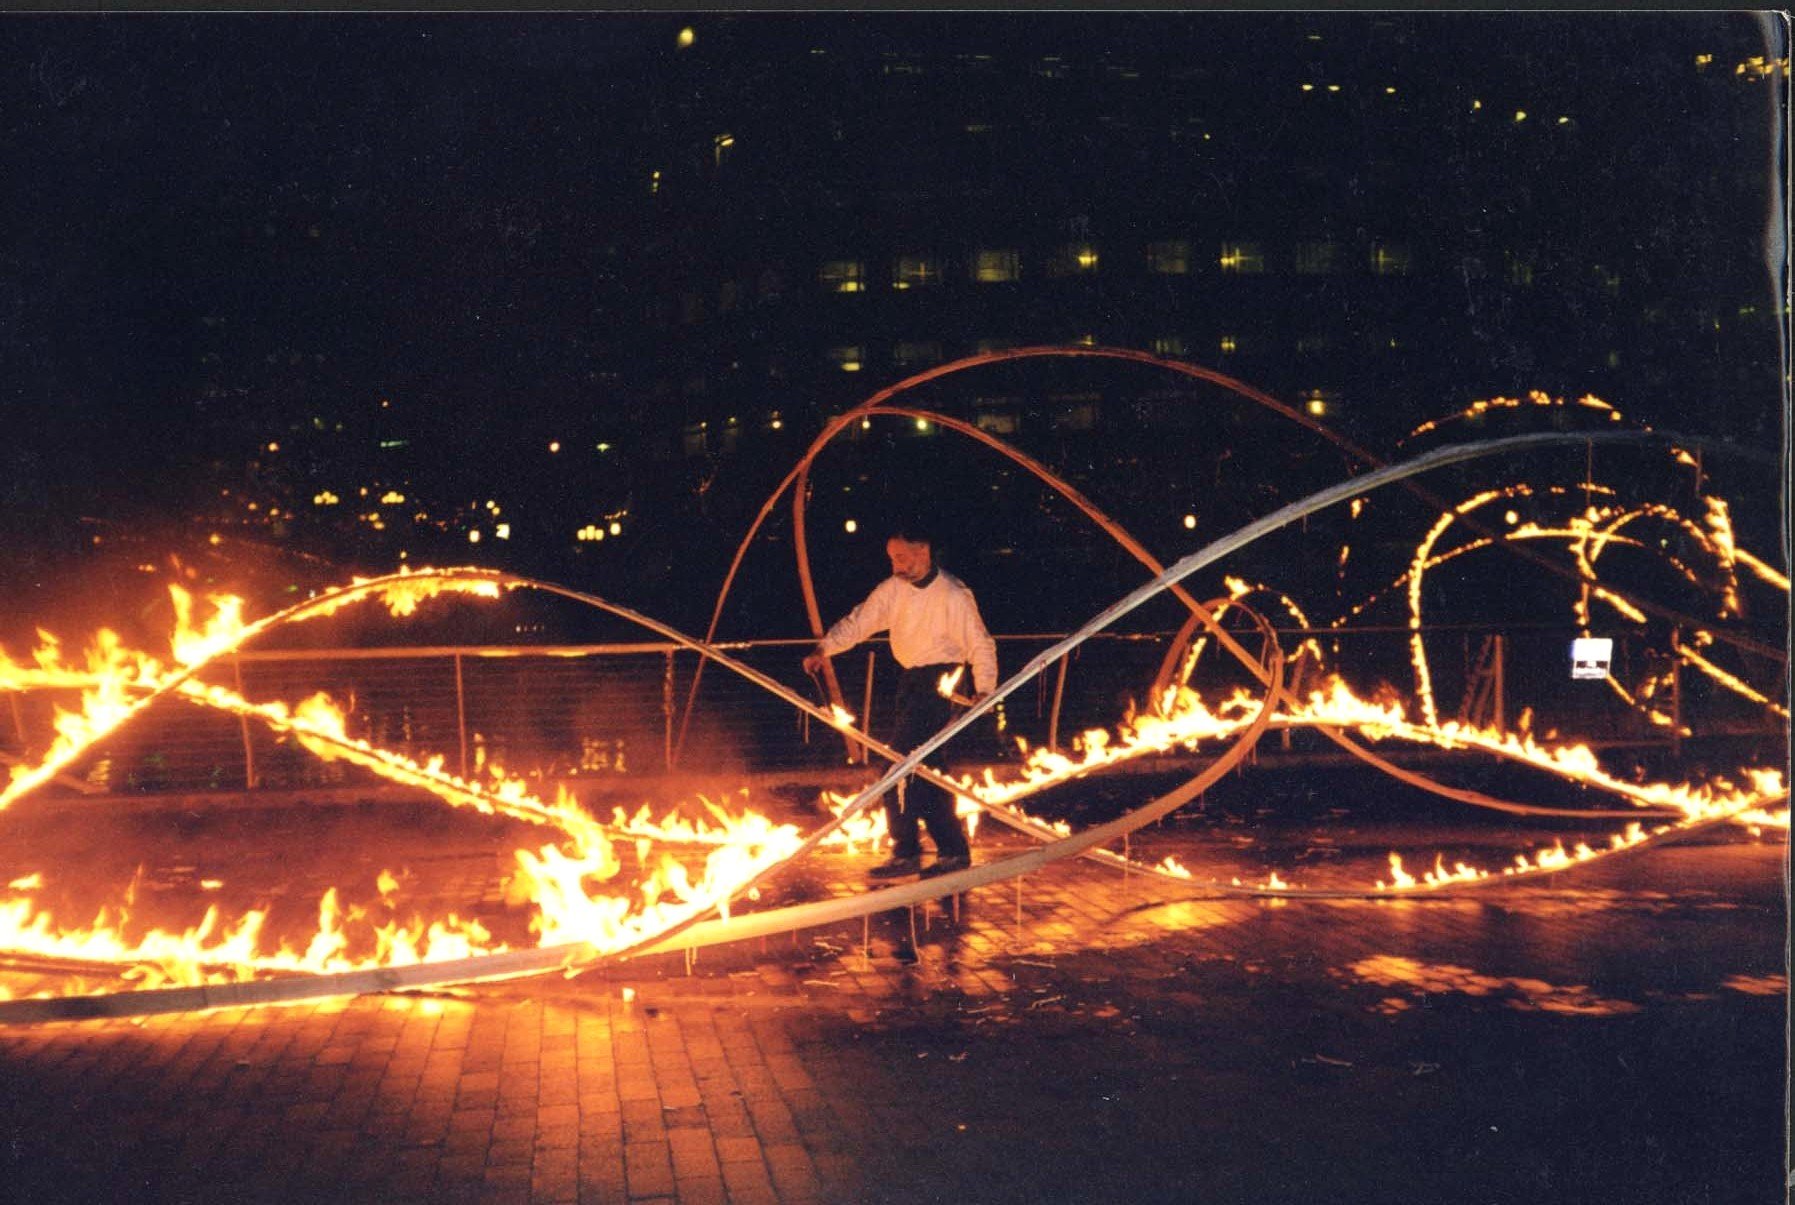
(566, 882)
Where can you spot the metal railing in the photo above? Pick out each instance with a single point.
(614, 711)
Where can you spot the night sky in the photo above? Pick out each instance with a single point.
(341, 207)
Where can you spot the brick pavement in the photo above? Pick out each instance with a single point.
(1611, 1035)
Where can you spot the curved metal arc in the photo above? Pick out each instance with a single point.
(534, 961)
(840, 422)
(330, 600)
(1214, 550)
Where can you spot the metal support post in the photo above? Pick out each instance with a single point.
(249, 752)
(1059, 693)
(1500, 654)
(461, 715)
(667, 710)
(866, 707)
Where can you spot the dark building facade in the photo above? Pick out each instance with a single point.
(1377, 217)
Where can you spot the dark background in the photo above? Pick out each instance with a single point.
(410, 251)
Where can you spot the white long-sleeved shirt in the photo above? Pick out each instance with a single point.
(929, 625)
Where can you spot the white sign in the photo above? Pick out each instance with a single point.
(1590, 656)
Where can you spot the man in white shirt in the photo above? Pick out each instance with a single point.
(935, 628)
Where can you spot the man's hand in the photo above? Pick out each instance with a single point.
(813, 664)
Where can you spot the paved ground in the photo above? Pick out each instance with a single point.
(1613, 1035)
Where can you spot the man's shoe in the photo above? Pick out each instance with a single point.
(947, 865)
(897, 868)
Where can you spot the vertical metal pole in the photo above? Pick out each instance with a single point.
(18, 719)
(866, 706)
(249, 753)
(1501, 655)
(1676, 699)
(1059, 693)
(667, 707)
(461, 714)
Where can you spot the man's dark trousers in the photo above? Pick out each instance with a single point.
(921, 712)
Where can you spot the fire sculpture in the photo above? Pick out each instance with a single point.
(215, 963)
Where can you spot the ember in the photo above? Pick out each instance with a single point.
(585, 906)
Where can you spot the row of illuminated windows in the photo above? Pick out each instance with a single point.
(997, 416)
(917, 354)
(1167, 257)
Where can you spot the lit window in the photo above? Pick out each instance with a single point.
(686, 38)
(848, 359)
(1317, 258)
(1318, 403)
(998, 420)
(1229, 345)
(1519, 267)
(842, 276)
(906, 354)
(915, 272)
(1169, 345)
(1246, 258)
(1073, 259)
(991, 267)
(720, 146)
(1389, 259)
(1169, 257)
(1079, 417)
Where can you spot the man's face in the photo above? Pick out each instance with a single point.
(908, 561)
